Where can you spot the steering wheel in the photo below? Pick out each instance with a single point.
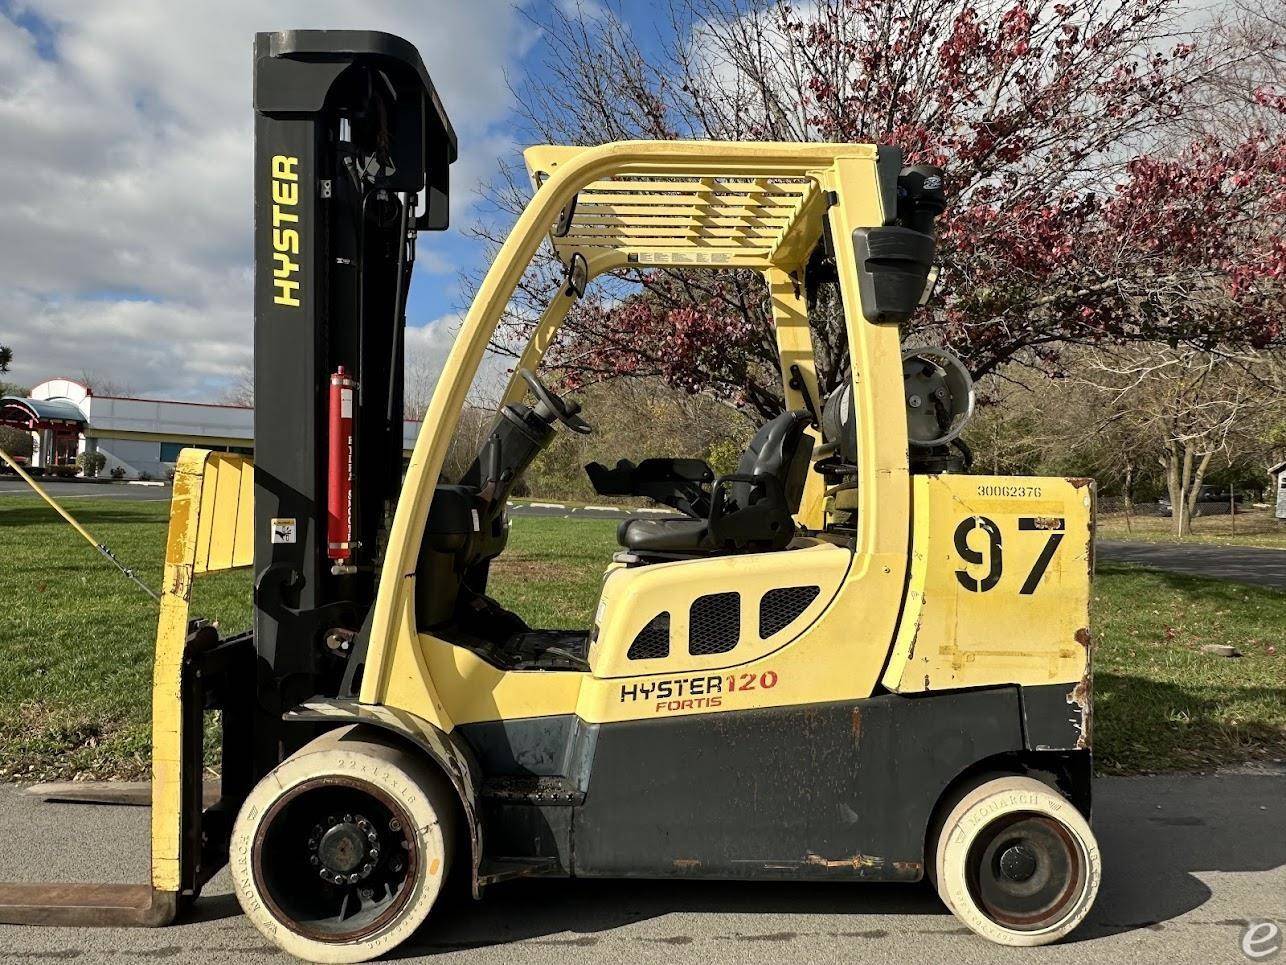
(550, 405)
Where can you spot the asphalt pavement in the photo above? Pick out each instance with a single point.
(61, 489)
(1258, 566)
(1188, 861)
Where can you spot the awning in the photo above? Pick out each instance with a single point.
(39, 413)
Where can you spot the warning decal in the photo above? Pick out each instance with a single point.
(283, 530)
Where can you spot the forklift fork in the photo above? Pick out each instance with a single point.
(211, 529)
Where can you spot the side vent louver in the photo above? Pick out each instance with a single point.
(779, 608)
(714, 623)
(653, 641)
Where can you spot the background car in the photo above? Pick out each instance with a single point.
(1211, 501)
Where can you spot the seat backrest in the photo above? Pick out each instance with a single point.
(783, 449)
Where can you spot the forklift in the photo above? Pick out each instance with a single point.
(850, 659)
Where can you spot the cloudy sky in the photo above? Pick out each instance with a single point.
(125, 199)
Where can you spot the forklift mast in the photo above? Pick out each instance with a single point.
(352, 150)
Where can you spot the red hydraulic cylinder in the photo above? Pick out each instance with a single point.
(339, 490)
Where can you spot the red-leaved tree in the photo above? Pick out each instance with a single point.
(1077, 213)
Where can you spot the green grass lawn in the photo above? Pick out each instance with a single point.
(1162, 704)
(1256, 528)
(76, 636)
(76, 643)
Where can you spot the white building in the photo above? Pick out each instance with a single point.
(1278, 474)
(141, 436)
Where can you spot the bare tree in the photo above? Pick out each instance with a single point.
(1246, 94)
(241, 390)
(422, 375)
(104, 385)
(470, 434)
(1184, 407)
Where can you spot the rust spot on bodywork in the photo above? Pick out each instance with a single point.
(686, 864)
(857, 725)
(910, 870)
(858, 862)
(915, 634)
(1080, 697)
(1080, 482)
(1048, 522)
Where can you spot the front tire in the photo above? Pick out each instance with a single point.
(1017, 863)
(340, 852)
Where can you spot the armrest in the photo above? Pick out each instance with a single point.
(612, 482)
(675, 470)
(678, 483)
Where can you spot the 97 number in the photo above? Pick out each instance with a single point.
(994, 557)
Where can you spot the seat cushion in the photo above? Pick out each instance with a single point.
(665, 535)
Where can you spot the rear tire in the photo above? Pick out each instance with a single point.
(340, 852)
(1017, 863)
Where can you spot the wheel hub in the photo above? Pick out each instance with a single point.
(345, 850)
(1018, 863)
(358, 842)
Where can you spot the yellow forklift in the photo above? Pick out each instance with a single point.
(849, 660)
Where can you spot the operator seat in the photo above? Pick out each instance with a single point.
(750, 510)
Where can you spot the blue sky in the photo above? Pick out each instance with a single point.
(125, 213)
(435, 296)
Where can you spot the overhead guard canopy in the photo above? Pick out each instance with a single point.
(673, 216)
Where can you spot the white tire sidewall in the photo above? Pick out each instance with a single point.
(974, 813)
(392, 773)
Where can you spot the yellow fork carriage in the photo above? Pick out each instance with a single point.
(849, 659)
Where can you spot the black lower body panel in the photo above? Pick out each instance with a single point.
(831, 791)
(841, 790)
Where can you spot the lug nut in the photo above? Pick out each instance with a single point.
(314, 861)
(395, 825)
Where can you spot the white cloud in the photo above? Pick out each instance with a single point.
(125, 207)
(427, 347)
